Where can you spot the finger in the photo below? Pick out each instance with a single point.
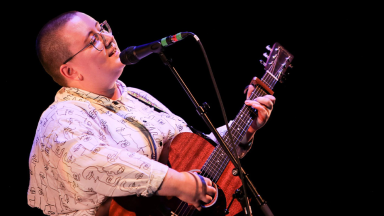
(211, 191)
(250, 102)
(197, 206)
(208, 181)
(250, 90)
(255, 104)
(270, 100)
(265, 102)
(207, 199)
(261, 109)
(269, 97)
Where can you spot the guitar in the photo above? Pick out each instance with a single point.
(190, 151)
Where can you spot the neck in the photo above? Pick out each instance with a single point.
(116, 94)
(111, 92)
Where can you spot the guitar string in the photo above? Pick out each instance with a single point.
(257, 92)
(182, 207)
(215, 177)
(191, 210)
(186, 210)
(243, 112)
(218, 155)
(238, 134)
(268, 79)
(220, 150)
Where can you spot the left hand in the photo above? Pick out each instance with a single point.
(263, 105)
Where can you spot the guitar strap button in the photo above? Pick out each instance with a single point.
(235, 172)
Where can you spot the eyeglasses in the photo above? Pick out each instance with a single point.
(96, 39)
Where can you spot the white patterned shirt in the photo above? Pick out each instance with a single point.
(88, 147)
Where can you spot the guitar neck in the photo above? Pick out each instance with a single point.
(275, 68)
(218, 160)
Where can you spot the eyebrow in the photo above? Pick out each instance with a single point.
(90, 32)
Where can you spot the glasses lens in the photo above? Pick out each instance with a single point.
(97, 42)
(105, 27)
(97, 39)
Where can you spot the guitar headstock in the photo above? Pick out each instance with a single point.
(278, 61)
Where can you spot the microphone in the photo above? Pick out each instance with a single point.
(134, 54)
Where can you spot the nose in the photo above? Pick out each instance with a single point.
(108, 38)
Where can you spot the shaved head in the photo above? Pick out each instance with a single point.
(52, 48)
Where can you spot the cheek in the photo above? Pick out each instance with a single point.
(97, 61)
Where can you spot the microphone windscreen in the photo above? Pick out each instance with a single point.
(128, 57)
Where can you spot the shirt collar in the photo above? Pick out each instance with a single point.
(71, 93)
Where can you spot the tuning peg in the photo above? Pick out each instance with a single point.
(263, 63)
(268, 48)
(290, 65)
(265, 55)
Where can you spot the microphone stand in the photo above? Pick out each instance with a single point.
(200, 110)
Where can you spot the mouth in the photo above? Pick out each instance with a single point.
(114, 50)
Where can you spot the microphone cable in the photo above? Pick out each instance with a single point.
(225, 120)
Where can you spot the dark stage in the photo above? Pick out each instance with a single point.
(318, 154)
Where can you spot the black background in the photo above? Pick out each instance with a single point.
(318, 154)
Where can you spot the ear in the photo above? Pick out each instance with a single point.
(70, 73)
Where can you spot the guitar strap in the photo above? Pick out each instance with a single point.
(145, 100)
(149, 103)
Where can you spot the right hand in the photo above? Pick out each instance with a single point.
(196, 190)
(188, 187)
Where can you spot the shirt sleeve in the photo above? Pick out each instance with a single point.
(222, 131)
(88, 164)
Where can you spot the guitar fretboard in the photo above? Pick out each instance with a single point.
(218, 159)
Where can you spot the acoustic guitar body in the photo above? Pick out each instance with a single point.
(188, 151)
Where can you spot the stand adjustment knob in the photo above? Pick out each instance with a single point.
(206, 106)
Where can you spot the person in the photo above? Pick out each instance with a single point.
(101, 139)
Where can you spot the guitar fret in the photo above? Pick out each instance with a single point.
(218, 159)
(272, 76)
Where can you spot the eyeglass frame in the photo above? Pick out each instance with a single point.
(109, 30)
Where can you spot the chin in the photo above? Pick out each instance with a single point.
(117, 65)
(119, 71)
